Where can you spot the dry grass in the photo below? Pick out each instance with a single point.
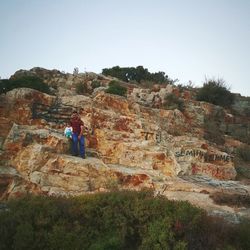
(232, 200)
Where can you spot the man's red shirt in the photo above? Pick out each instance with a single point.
(76, 125)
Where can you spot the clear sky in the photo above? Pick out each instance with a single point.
(187, 39)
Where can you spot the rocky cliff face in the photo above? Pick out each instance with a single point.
(132, 142)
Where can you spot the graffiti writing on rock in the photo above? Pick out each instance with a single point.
(208, 157)
(151, 136)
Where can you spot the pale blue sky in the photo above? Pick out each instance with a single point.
(187, 39)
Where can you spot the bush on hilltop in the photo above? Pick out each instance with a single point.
(138, 74)
(216, 92)
(32, 82)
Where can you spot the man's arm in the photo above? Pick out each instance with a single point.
(81, 132)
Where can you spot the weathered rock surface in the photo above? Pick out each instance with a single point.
(132, 142)
(198, 189)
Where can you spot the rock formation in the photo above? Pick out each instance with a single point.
(132, 142)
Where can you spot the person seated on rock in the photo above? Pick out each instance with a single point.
(68, 131)
(77, 136)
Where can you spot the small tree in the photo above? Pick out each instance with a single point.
(216, 92)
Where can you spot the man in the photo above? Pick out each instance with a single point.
(77, 136)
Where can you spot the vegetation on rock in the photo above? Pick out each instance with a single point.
(116, 89)
(215, 92)
(171, 101)
(243, 152)
(82, 88)
(242, 162)
(236, 200)
(95, 84)
(212, 126)
(32, 82)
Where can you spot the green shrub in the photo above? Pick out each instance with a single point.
(81, 88)
(115, 220)
(243, 152)
(241, 135)
(215, 92)
(95, 84)
(116, 89)
(212, 126)
(242, 233)
(32, 82)
(213, 132)
(171, 101)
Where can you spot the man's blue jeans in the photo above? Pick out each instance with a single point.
(75, 142)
